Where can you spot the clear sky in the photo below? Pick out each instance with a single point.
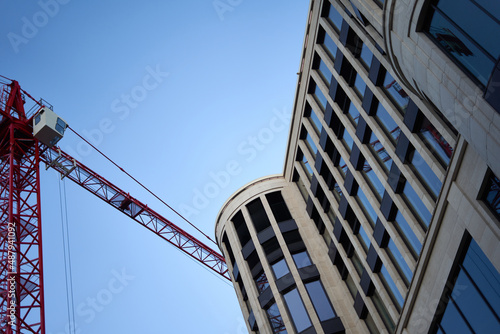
(193, 98)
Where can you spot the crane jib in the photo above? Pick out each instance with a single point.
(77, 172)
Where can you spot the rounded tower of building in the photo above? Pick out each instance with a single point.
(276, 258)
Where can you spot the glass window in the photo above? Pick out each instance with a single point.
(280, 268)
(278, 206)
(241, 228)
(436, 142)
(307, 167)
(382, 310)
(359, 86)
(315, 121)
(474, 299)
(426, 174)
(416, 204)
(492, 194)
(311, 145)
(330, 46)
(366, 56)
(396, 92)
(348, 142)
(60, 126)
(374, 182)
(258, 215)
(363, 237)
(353, 113)
(365, 204)
(357, 264)
(399, 261)
(298, 312)
(396, 296)
(459, 27)
(320, 300)
(407, 233)
(261, 282)
(380, 152)
(302, 259)
(320, 97)
(275, 319)
(388, 124)
(325, 72)
(342, 167)
(335, 18)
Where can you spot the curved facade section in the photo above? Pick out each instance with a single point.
(389, 204)
(446, 53)
(275, 256)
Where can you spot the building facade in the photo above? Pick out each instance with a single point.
(386, 217)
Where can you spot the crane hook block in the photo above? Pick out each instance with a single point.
(48, 128)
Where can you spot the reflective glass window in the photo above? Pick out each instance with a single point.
(307, 167)
(320, 300)
(342, 167)
(320, 97)
(372, 215)
(261, 282)
(407, 233)
(416, 204)
(315, 121)
(275, 319)
(436, 142)
(474, 299)
(388, 281)
(359, 86)
(363, 237)
(366, 56)
(325, 72)
(330, 46)
(396, 92)
(492, 194)
(374, 182)
(426, 174)
(302, 259)
(60, 126)
(258, 215)
(278, 206)
(353, 113)
(388, 124)
(466, 30)
(297, 310)
(380, 152)
(311, 145)
(280, 268)
(399, 261)
(335, 18)
(348, 142)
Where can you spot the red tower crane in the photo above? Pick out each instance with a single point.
(21, 265)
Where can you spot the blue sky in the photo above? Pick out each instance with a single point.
(193, 98)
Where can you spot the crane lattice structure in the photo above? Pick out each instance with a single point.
(21, 264)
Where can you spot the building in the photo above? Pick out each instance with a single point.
(386, 217)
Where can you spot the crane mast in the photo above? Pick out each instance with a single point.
(21, 265)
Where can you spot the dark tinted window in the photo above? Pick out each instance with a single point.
(258, 215)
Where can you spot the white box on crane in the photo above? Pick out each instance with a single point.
(48, 127)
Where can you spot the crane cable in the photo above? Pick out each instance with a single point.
(67, 257)
(143, 186)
